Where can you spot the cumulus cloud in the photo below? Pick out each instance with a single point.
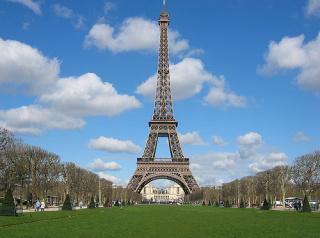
(188, 78)
(191, 138)
(60, 103)
(252, 155)
(221, 95)
(268, 161)
(293, 53)
(313, 8)
(34, 119)
(67, 13)
(214, 167)
(251, 139)
(23, 65)
(134, 34)
(100, 165)
(300, 137)
(32, 5)
(114, 145)
(248, 144)
(217, 140)
(88, 95)
(109, 177)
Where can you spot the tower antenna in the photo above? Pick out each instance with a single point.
(164, 4)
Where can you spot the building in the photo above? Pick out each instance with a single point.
(172, 194)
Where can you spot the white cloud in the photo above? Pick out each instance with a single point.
(293, 53)
(251, 139)
(224, 160)
(252, 156)
(217, 140)
(301, 137)
(22, 65)
(114, 145)
(220, 95)
(268, 161)
(67, 13)
(191, 138)
(248, 144)
(134, 34)
(313, 8)
(188, 78)
(88, 95)
(214, 167)
(34, 119)
(63, 11)
(109, 177)
(195, 166)
(60, 103)
(32, 5)
(100, 165)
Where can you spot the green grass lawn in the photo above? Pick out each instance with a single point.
(162, 221)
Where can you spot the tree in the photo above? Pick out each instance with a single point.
(306, 172)
(265, 205)
(227, 204)
(8, 206)
(92, 204)
(306, 205)
(67, 204)
(242, 204)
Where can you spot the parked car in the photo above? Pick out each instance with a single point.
(289, 202)
(278, 203)
(314, 205)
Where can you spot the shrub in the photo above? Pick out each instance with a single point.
(92, 204)
(67, 204)
(242, 204)
(227, 204)
(306, 206)
(265, 205)
(8, 206)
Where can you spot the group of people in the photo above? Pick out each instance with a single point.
(39, 205)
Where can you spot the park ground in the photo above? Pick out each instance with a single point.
(162, 221)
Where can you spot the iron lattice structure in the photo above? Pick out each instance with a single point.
(163, 124)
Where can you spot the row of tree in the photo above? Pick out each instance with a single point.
(299, 180)
(34, 173)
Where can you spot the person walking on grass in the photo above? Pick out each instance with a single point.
(43, 205)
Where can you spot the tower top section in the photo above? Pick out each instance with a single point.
(163, 110)
(164, 16)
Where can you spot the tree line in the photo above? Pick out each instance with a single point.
(299, 180)
(33, 173)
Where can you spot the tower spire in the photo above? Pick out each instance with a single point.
(163, 110)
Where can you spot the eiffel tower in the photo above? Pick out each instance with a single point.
(163, 124)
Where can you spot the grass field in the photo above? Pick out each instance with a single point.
(162, 221)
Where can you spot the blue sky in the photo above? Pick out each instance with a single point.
(77, 78)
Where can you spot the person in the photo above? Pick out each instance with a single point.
(37, 205)
(43, 205)
(80, 204)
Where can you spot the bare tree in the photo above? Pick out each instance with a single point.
(306, 172)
